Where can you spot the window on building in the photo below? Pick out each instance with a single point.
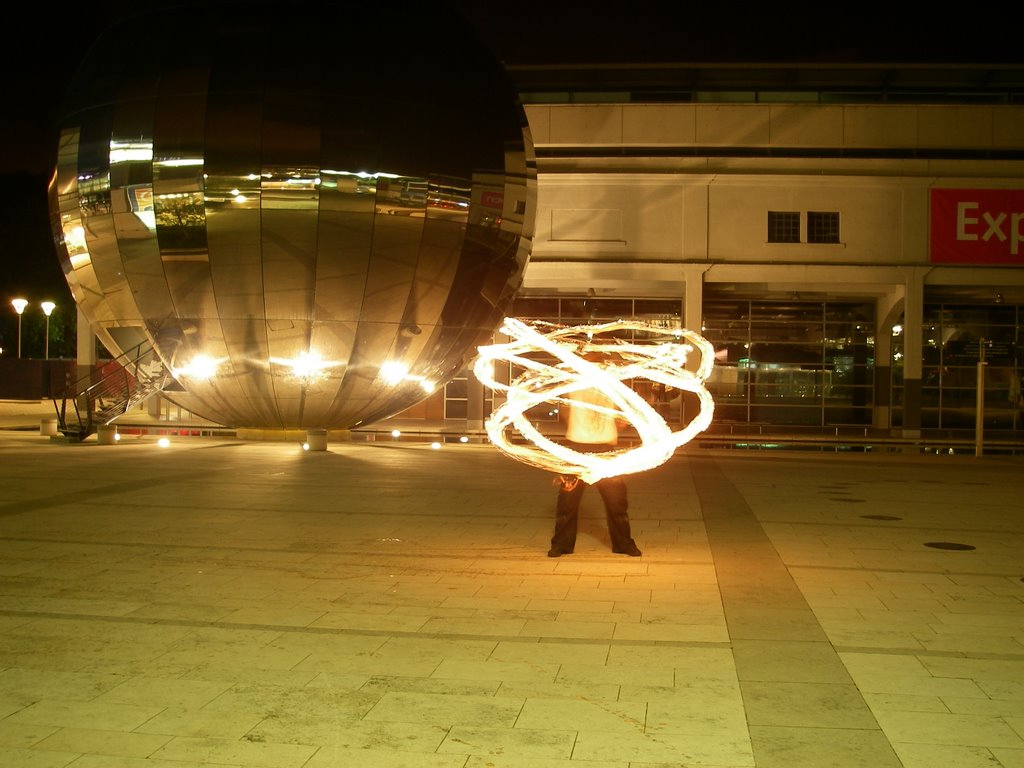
(783, 226)
(822, 227)
(456, 398)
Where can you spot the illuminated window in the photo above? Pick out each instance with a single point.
(822, 227)
(783, 226)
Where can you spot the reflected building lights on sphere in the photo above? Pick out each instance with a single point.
(310, 230)
(569, 371)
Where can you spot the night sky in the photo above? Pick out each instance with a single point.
(532, 32)
(51, 39)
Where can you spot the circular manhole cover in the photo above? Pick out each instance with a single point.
(881, 517)
(948, 545)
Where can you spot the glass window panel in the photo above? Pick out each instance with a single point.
(609, 309)
(726, 412)
(531, 307)
(849, 328)
(803, 354)
(849, 415)
(457, 389)
(798, 331)
(732, 316)
(787, 312)
(787, 414)
(574, 311)
(657, 308)
(855, 313)
(728, 382)
(456, 409)
(822, 227)
(783, 226)
(972, 314)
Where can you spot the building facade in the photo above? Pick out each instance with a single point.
(851, 240)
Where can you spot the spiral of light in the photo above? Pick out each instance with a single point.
(620, 361)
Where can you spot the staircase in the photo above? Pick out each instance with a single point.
(129, 379)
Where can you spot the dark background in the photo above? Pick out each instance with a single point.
(48, 41)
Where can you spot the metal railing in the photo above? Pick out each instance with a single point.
(123, 383)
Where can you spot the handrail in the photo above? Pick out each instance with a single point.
(137, 373)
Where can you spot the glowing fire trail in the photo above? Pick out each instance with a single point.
(661, 363)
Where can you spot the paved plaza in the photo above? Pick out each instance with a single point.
(384, 604)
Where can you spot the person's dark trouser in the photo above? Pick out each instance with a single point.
(613, 492)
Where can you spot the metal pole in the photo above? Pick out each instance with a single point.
(19, 335)
(979, 399)
(48, 307)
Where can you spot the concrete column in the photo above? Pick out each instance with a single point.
(693, 303)
(474, 402)
(693, 320)
(316, 439)
(913, 322)
(86, 346)
(887, 312)
(106, 434)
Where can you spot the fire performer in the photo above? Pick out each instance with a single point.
(591, 428)
(596, 398)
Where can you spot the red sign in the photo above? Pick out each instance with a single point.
(492, 200)
(977, 226)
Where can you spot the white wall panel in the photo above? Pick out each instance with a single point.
(613, 217)
(585, 124)
(1008, 127)
(879, 126)
(733, 125)
(757, 125)
(798, 126)
(949, 126)
(659, 124)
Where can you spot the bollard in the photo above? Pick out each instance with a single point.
(316, 439)
(48, 427)
(106, 434)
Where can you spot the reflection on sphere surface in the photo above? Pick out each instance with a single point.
(314, 213)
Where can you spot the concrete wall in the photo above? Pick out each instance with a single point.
(23, 379)
(603, 197)
(846, 126)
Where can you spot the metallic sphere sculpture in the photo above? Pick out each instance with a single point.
(313, 212)
(660, 362)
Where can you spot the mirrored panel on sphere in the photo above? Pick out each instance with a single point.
(303, 245)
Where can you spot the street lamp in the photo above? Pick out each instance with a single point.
(47, 309)
(19, 307)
